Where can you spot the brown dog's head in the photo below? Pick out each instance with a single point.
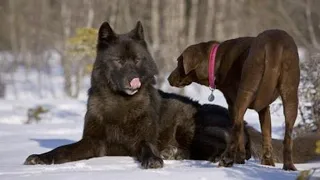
(192, 66)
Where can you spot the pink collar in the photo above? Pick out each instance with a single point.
(212, 60)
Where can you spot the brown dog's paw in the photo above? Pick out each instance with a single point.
(289, 167)
(267, 162)
(152, 162)
(36, 159)
(228, 157)
(240, 158)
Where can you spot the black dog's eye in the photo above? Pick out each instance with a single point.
(137, 60)
(117, 60)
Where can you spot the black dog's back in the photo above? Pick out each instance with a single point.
(206, 114)
(213, 115)
(206, 127)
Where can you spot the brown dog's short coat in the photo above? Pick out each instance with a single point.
(251, 72)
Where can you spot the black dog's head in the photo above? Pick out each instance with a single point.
(123, 62)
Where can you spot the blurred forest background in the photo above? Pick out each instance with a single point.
(40, 39)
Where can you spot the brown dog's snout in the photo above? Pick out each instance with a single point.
(174, 79)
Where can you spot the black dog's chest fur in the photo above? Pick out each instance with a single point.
(123, 121)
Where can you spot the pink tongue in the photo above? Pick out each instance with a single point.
(135, 83)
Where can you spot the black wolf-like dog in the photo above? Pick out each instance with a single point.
(123, 107)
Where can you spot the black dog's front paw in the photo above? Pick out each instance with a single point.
(37, 159)
(226, 162)
(152, 162)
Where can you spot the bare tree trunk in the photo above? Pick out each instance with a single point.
(253, 17)
(155, 35)
(49, 74)
(2, 84)
(291, 23)
(182, 23)
(210, 19)
(79, 74)
(193, 22)
(26, 57)
(39, 74)
(89, 4)
(127, 15)
(79, 77)
(2, 88)
(66, 23)
(312, 34)
(67, 76)
(14, 45)
(221, 20)
(235, 5)
(48, 55)
(155, 24)
(114, 13)
(201, 20)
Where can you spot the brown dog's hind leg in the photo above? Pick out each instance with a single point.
(289, 83)
(265, 124)
(290, 113)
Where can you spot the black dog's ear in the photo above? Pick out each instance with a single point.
(137, 32)
(106, 33)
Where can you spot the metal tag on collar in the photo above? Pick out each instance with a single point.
(211, 96)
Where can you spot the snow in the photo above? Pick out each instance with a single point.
(19, 141)
(64, 123)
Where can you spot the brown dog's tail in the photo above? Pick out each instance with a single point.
(303, 149)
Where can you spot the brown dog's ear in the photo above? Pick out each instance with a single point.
(190, 61)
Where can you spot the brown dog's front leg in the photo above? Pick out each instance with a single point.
(233, 151)
(84, 149)
(241, 104)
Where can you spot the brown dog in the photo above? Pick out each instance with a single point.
(251, 72)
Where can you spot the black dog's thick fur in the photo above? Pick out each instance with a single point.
(118, 120)
(202, 130)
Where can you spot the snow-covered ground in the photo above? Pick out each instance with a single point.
(63, 125)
